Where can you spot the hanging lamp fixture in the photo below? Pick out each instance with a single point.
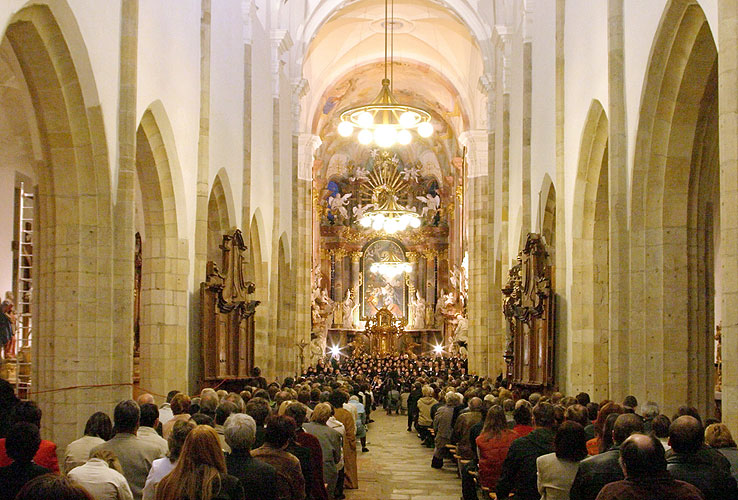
(391, 267)
(385, 121)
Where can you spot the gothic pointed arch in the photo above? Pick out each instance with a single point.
(220, 213)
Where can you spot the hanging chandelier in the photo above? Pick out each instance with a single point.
(384, 120)
(391, 268)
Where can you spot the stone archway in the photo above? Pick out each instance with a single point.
(259, 270)
(284, 345)
(674, 167)
(165, 260)
(590, 295)
(73, 265)
(220, 219)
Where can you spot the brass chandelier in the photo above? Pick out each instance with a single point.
(385, 121)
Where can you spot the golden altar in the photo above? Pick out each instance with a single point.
(384, 331)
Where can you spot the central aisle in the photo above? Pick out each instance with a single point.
(397, 467)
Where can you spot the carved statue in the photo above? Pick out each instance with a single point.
(317, 350)
(348, 310)
(417, 305)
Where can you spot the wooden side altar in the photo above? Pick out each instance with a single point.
(227, 315)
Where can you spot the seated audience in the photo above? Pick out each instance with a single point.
(644, 466)
(257, 478)
(519, 469)
(102, 477)
(492, 445)
(147, 427)
(165, 411)
(29, 412)
(361, 421)
(556, 471)
(592, 410)
(686, 463)
(597, 471)
(135, 454)
(443, 427)
(222, 412)
(180, 410)
(209, 402)
(660, 428)
(350, 471)
(718, 436)
(315, 488)
(290, 484)
(98, 429)
(464, 423)
(523, 420)
(53, 487)
(21, 445)
(330, 444)
(8, 400)
(200, 472)
(163, 466)
(594, 445)
(258, 409)
(425, 422)
(649, 411)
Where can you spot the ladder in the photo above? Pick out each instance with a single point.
(24, 293)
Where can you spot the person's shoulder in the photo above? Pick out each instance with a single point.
(546, 459)
(687, 491)
(615, 489)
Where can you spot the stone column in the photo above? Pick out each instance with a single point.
(728, 123)
(527, 115)
(430, 276)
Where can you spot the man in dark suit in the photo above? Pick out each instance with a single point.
(257, 478)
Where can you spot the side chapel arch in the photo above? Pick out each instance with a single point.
(220, 214)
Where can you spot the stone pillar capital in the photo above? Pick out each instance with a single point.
(307, 145)
(412, 256)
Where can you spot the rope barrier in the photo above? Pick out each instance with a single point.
(96, 386)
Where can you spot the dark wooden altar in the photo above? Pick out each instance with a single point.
(528, 306)
(227, 315)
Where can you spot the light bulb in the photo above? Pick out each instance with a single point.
(408, 119)
(365, 221)
(385, 136)
(345, 129)
(404, 137)
(415, 223)
(425, 129)
(377, 224)
(365, 136)
(391, 226)
(365, 119)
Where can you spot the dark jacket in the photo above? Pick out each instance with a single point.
(594, 473)
(701, 471)
(257, 478)
(306, 465)
(15, 475)
(519, 473)
(660, 487)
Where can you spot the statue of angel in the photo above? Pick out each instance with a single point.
(411, 172)
(431, 203)
(337, 204)
(360, 210)
(360, 174)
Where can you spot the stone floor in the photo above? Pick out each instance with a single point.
(397, 467)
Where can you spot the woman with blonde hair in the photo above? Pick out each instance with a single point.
(718, 436)
(102, 476)
(200, 473)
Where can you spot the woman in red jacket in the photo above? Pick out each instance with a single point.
(492, 444)
(28, 411)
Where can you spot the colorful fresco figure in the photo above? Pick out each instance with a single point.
(381, 291)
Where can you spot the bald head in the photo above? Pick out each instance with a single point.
(642, 456)
(145, 399)
(475, 404)
(625, 425)
(686, 435)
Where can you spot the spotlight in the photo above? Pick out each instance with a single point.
(345, 129)
(425, 129)
(335, 351)
(438, 349)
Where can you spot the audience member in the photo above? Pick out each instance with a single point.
(630, 404)
(315, 489)
(350, 468)
(686, 438)
(257, 477)
(556, 471)
(443, 427)
(222, 412)
(180, 406)
(425, 422)
(718, 436)
(147, 425)
(258, 409)
(163, 466)
(519, 469)
(8, 400)
(21, 445)
(135, 454)
(644, 467)
(209, 402)
(660, 428)
(597, 471)
(523, 420)
(290, 484)
(649, 411)
(102, 477)
(98, 429)
(200, 472)
(29, 412)
(361, 422)
(593, 445)
(592, 410)
(492, 445)
(331, 444)
(165, 410)
(463, 425)
(53, 487)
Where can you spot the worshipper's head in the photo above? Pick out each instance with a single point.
(495, 422)
(649, 410)
(508, 405)
(27, 411)
(592, 410)
(288, 382)
(544, 415)
(577, 413)
(7, 394)
(177, 438)
(719, 436)
(281, 397)
(53, 487)
(534, 398)
(625, 425)
(630, 403)
(194, 405)
(642, 456)
(338, 398)
(240, 432)
(256, 371)
(237, 400)
(556, 398)
(145, 398)
(299, 413)
(22, 442)
(475, 404)
(315, 394)
(303, 396)
(259, 410)
(223, 411)
(558, 415)
(686, 435)
(170, 395)
(321, 413)
(126, 417)
(583, 398)
(570, 442)
(606, 410)
(222, 393)
(687, 410)
(99, 425)
(427, 391)
(280, 429)
(109, 458)
(453, 398)
(149, 415)
(660, 426)
(208, 402)
(203, 419)
(180, 404)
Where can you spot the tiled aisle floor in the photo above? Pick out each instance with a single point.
(397, 467)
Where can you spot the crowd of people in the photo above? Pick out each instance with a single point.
(299, 439)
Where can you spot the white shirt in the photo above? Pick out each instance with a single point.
(150, 435)
(101, 481)
(160, 468)
(165, 413)
(78, 451)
